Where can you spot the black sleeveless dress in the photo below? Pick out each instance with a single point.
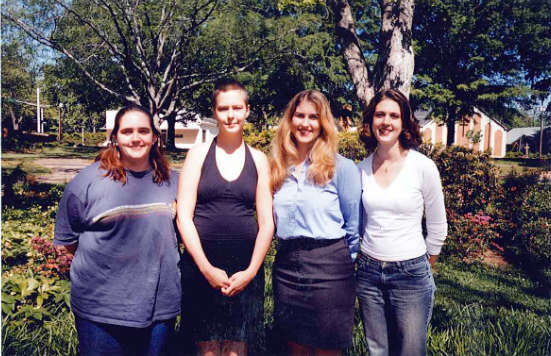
(224, 218)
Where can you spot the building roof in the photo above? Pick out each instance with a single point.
(422, 116)
(518, 132)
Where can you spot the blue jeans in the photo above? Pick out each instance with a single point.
(396, 300)
(97, 339)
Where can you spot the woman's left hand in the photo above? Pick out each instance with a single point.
(238, 282)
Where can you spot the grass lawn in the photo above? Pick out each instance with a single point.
(482, 310)
(506, 166)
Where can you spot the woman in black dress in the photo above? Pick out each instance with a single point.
(222, 274)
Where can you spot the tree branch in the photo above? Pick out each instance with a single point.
(352, 53)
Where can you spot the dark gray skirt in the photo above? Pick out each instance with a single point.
(314, 293)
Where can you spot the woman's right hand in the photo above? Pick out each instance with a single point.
(216, 277)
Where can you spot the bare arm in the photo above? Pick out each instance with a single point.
(187, 198)
(241, 279)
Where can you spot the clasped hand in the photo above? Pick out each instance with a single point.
(232, 286)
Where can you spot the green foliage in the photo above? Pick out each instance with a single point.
(469, 179)
(18, 83)
(525, 209)
(90, 138)
(480, 310)
(468, 235)
(493, 55)
(36, 317)
(259, 140)
(473, 136)
(55, 335)
(351, 147)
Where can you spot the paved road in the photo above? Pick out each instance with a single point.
(63, 169)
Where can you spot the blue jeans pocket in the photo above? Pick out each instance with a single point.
(419, 269)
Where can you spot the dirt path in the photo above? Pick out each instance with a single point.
(493, 259)
(63, 169)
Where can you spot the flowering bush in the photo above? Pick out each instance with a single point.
(525, 222)
(470, 180)
(50, 260)
(469, 235)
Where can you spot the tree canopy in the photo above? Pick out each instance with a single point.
(490, 54)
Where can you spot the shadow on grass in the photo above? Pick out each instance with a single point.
(491, 289)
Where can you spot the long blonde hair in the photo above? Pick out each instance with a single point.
(322, 154)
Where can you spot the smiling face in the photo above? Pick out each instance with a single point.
(231, 111)
(305, 125)
(387, 122)
(135, 139)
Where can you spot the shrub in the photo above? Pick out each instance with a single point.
(469, 179)
(261, 140)
(351, 147)
(49, 260)
(525, 224)
(468, 235)
(90, 138)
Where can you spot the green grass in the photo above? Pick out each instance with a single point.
(507, 166)
(8, 165)
(56, 336)
(482, 310)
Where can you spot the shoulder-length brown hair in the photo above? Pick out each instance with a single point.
(410, 137)
(322, 155)
(110, 157)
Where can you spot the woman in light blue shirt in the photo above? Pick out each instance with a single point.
(317, 214)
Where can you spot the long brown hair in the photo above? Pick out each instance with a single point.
(322, 154)
(110, 157)
(410, 137)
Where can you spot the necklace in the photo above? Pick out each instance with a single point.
(391, 163)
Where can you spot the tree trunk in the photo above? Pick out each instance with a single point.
(451, 112)
(352, 52)
(395, 63)
(14, 125)
(171, 137)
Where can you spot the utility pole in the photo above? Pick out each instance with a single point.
(38, 126)
(541, 129)
(59, 114)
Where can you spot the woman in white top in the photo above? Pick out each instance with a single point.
(394, 280)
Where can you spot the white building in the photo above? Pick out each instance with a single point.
(188, 134)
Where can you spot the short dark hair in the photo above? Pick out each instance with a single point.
(410, 137)
(228, 84)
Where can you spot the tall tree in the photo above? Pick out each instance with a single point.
(155, 49)
(395, 58)
(18, 85)
(491, 54)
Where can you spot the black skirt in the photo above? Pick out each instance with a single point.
(314, 293)
(206, 313)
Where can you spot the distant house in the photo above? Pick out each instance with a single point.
(493, 134)
(518, 138)
(198, 129)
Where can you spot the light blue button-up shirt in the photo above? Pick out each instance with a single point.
(303, 209)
